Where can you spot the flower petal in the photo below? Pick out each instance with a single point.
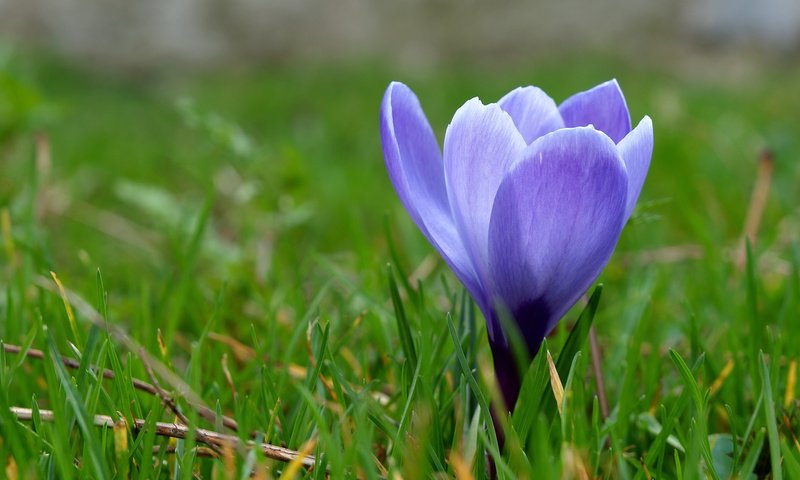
(556, 219)
(480, 146)
(417, 174)
(603, 107)
(533, 111)
(636, 150)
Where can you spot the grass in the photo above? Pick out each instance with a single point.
(226, 236)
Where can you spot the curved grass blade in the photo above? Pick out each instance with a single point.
(403, 326)
(91, 442)
(769, 414)
(702, 411)
(537, 377)
(473, 383)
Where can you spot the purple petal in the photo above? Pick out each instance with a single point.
(417, 174)
(533, 111)
(556, 219)
(636, 149)
(480, 146)
(603, 107)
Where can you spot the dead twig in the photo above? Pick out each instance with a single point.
(755, 209)
(598, 372)
(140, 385)
(176, 430)
(175, 381)
(204, 452)
(170, 403)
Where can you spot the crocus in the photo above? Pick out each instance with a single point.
(525, 202)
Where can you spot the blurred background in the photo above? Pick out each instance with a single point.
(159, 33)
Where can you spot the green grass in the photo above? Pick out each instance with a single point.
(232, 231)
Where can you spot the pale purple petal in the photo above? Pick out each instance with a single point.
(417, 174)
(533, 111)
(480, 146)
(603, 107)
(556, 219)
(636, 149)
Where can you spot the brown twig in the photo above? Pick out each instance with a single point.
(598, 372)
(171, 449)
(755, 209)
(140, 385)
(88, 312)
(170, 403)
(176, 430)
(74, 364)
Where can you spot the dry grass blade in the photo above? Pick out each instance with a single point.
(555, 382)
(791, 381)
(574, 464)
(67, 307)
(242, 352)
(726, 371)
(755, 209)
(227, 373)
(294, 466)
(597, 368)
(8, 238)
(462, 470)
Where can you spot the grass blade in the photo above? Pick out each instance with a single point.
(82, 417)
(701, 408)
(749, 464)
(473, 383)
(769, 417)
(403, 326)
(537, 377)
(792, 461)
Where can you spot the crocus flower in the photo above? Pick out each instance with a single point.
(525, 202)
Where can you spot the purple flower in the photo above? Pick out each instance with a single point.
(527, 201)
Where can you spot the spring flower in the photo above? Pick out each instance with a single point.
(525, 202)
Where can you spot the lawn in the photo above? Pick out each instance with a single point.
(231, 240)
